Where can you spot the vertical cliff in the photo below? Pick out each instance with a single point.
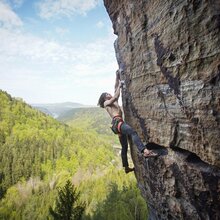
(169, 55)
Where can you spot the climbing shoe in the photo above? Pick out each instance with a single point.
(128, 169)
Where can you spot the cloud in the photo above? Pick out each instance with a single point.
(64, 70)
(64, 8)
(8, 18)
(16, 44)
(61, 31)
(67, 70)
(25, 82)
(100, 24)
(17, 3)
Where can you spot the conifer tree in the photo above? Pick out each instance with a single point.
(67, 205)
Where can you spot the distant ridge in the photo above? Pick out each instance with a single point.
(93, 118)
(57, 109)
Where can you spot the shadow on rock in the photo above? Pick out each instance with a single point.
(160, 150)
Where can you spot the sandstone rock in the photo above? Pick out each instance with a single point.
(169, 55)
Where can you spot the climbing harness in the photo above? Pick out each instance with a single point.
(117, 122)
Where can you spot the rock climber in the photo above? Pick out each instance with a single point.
(110, 103)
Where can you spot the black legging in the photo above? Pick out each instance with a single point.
(128, 130)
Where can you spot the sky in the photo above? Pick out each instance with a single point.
(55, 51)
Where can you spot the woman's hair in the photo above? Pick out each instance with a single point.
(102, 99)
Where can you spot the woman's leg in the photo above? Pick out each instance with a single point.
(124, 149)
(128, 130)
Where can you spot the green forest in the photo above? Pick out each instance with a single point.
(40, 155)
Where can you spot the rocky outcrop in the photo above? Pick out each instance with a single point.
(169, 56)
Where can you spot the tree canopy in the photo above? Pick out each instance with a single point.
(39, 154)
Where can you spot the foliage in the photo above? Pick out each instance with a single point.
(122, 204)
(66, 204)
(39, 154)
(27, 200)
(94, 119)
(34, 144)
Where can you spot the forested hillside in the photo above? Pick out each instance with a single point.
(39, 154)
(93, 118)
(57, 109)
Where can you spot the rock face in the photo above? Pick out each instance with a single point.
(169, 56)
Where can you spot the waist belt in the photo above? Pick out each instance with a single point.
(117, 122)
